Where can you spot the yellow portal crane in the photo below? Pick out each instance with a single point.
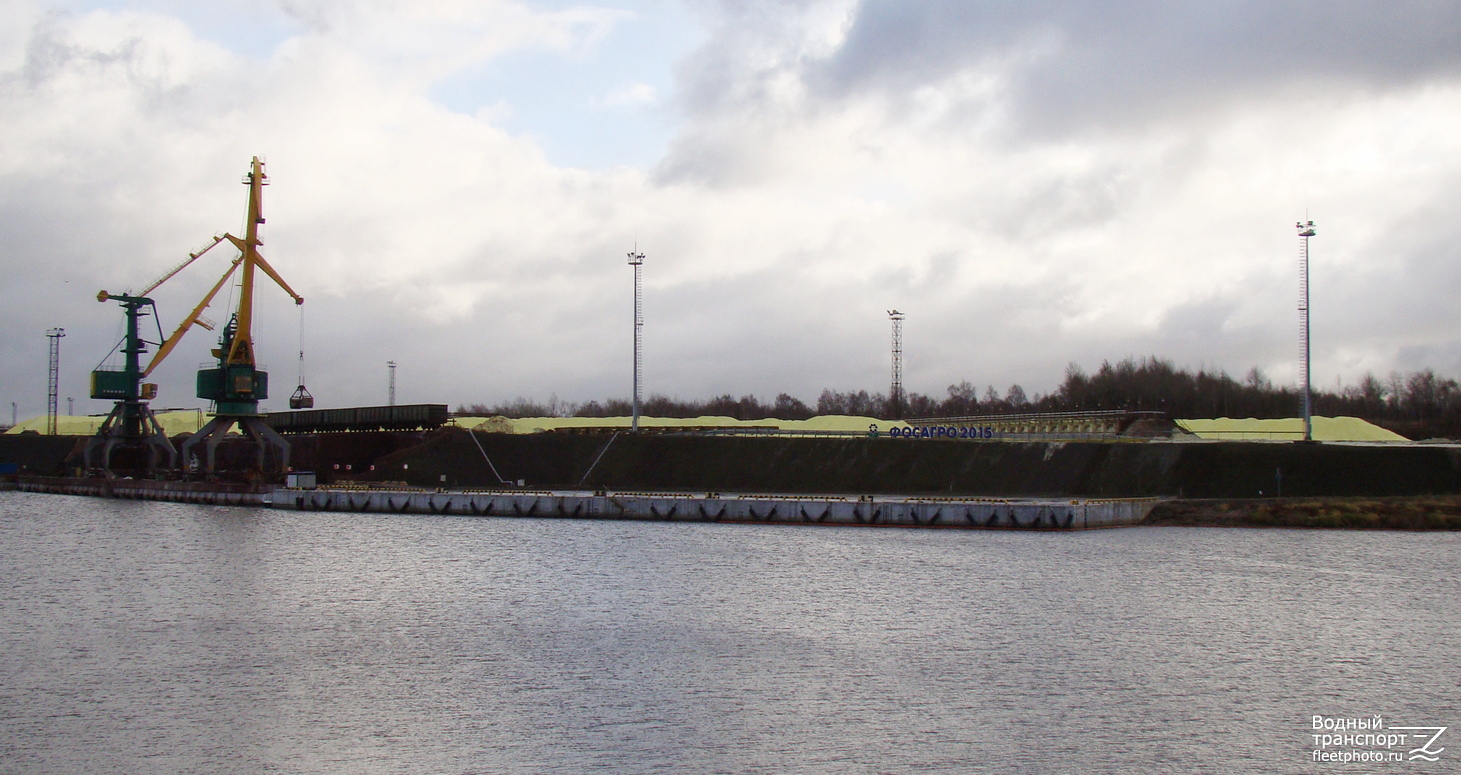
(236, 385)
(240, 345)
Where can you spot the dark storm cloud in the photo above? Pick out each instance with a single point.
(1103, 62)
(1044, 68)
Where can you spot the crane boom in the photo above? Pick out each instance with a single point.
(242, 245)
(194, 317)
(241, 346)
(180, 267)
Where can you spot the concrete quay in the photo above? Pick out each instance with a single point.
(868, 510)
(1004, 513)
(150, 489)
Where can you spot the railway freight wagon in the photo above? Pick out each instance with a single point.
(406, 417)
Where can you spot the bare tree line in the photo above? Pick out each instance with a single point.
(1421, 404)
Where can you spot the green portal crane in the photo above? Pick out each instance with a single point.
(130, 425)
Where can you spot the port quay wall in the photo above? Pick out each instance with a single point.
(149, 489)
(1063, 514)
(1027, 514)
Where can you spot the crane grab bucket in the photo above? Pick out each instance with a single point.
(301, 399)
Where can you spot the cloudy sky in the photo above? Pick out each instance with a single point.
(455, 185)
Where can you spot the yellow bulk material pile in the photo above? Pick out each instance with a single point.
(1325, 428)
(1230, 429)
(1288, 429)
(182, 421)
(541, 424)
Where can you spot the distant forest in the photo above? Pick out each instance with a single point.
(1417, 405)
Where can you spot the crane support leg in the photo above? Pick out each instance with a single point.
(266, 437)
(158, 442)
(130, 426)
(211, 435)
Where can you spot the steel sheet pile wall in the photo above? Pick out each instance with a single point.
(1034, 514)
(831, 510)
(215, 494)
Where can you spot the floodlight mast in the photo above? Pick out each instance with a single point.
(636, 260)
(1306, 230)
(895, 392)
(53, 381)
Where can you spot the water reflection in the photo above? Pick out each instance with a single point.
(146, 637)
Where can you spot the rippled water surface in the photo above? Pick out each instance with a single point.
(161, 638)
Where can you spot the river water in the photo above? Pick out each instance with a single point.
(147, 637)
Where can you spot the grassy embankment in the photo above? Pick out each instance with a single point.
(1418, 512)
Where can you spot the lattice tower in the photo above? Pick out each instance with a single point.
(895, 392)
(53, 390)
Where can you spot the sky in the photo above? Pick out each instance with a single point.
(455, 186)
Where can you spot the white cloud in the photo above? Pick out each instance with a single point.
(427, 39)
(801, 198)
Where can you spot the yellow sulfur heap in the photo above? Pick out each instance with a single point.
(1288, 429)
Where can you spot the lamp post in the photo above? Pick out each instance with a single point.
(636, 260)
(1306, 230)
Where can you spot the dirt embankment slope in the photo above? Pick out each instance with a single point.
(865, 465)
(32, 453)
(1229, 471)
(1421, 512)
